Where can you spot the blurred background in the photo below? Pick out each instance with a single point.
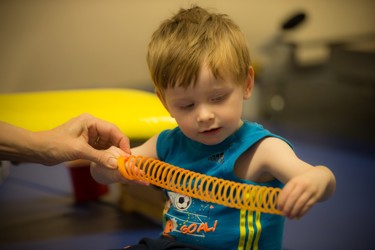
(318, 74)
(314, 66)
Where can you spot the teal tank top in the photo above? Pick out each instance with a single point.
(207, 224)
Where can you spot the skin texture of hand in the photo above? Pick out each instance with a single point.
(303, 191)
(86, 137)
(83, 137)
(111, 175)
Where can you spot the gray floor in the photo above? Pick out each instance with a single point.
(37, 210)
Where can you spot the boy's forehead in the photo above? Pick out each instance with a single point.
(206, 83)
(205, 75)
(204, 80)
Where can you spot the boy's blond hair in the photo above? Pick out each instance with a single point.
(191, 38)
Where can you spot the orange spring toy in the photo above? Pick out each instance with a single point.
(207, 188)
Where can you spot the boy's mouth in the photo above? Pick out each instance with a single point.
(210, 131)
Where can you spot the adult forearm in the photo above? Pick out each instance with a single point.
(18, 144)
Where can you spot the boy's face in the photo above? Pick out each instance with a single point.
(211, 110)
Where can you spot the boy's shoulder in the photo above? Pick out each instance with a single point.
(257, 132)
(173, 133)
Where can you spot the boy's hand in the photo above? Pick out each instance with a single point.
(302, 192)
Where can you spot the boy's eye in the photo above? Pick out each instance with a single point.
(187, 106)
(218, 98)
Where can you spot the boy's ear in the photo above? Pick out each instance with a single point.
(249, 83)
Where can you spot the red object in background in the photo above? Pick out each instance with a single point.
(84, 186)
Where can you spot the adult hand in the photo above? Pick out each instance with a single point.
(83, 137)
(86, 137)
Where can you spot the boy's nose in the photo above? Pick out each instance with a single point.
(205, 114)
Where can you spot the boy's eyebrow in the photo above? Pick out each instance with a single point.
(175, 98)
(222, 90)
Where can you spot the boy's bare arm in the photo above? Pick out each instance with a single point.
(305, 184)
(147, 149)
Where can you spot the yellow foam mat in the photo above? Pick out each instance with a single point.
(139, 114)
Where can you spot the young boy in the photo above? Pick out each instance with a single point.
(200, 65)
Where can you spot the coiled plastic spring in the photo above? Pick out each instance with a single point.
(200, 186)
